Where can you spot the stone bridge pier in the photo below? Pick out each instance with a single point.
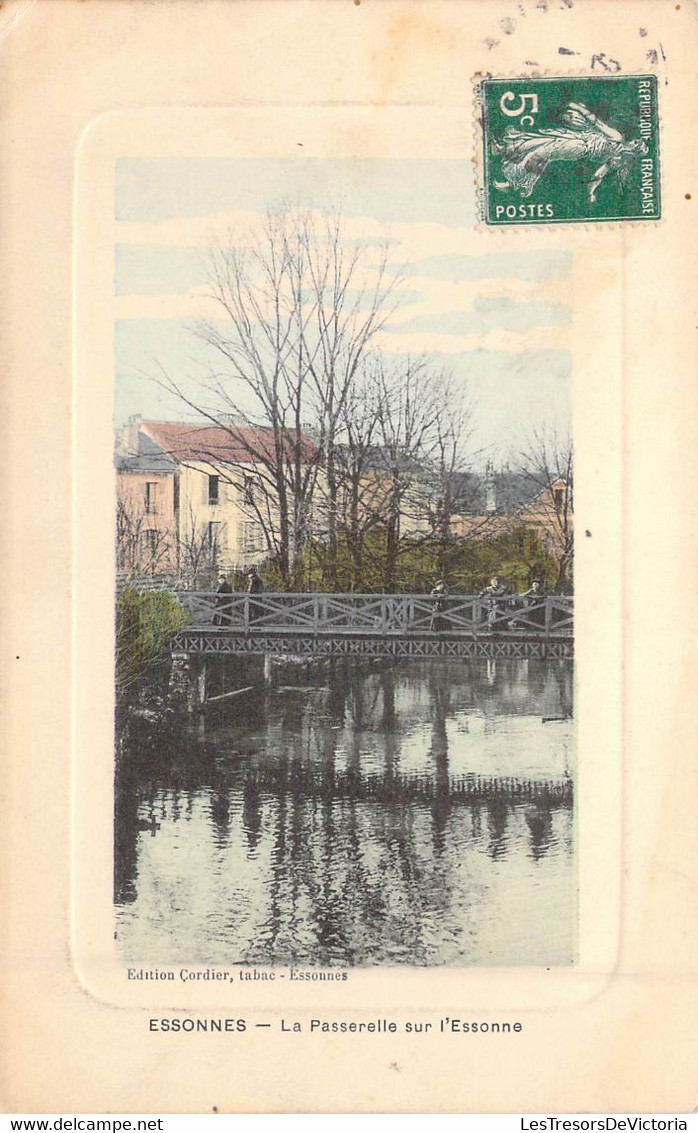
(188, 685)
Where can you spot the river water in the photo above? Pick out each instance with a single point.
(417, 812)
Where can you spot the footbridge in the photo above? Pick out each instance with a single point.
(376, 625)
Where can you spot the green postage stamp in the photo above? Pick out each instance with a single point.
(570, 149)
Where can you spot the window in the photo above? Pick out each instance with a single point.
(216, 536)
(559, 497)
(151, 497)
(248, 491)
(214, 489)
(249, 537)
(149, 542)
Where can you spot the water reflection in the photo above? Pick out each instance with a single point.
(412, 813)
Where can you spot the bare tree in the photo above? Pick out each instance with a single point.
(400, 462)
(198, 552)
(350, 303)
(407, 410)
(547, 464)
(141, 548)
(440, 493)
(359, 491)
(301, 306)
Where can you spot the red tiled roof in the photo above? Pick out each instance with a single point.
(235, 444)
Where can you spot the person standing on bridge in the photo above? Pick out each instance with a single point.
(440, 595)
(496, 595)
(222, 616)
(536, 590)
(531, 602)
(254, 586)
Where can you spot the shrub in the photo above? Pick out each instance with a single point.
(467, 565)
(145, 625)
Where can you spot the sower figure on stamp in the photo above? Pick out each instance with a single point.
(526, 154)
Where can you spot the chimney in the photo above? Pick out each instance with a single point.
(490, 490)
(132, 434)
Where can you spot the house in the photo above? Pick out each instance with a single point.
(551, 515)
(214, 492)
(146, 524)
(509, 501)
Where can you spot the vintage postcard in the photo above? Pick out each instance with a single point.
(358, 780)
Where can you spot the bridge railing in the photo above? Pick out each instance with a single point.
(378, 613)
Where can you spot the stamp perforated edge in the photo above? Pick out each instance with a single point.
(478, 156)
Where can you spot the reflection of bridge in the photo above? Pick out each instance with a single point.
(350, 784)
(369, 625)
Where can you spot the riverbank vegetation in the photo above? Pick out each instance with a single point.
(145, 625)
(466, 566)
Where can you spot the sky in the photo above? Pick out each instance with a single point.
(498, 320)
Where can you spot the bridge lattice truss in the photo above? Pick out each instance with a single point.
(376, 625)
